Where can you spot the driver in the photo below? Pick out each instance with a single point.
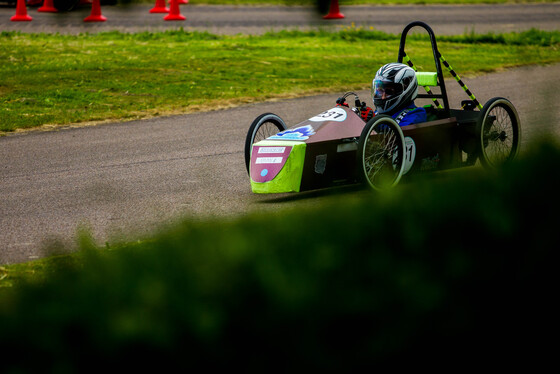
(393, 91)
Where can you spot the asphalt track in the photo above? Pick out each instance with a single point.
(125, 180)
(445, 19)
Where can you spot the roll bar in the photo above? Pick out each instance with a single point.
(437, 56)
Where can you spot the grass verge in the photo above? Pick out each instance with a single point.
(63, 79)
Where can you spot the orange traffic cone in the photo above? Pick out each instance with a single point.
(334, 12)
(48, 7)
(160, 7)
(183, 1)
(95, 15)
(21, 12)
(174, 12)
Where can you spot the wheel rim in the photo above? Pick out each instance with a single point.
(263, 127)
(499, 137)
(265, 130)
(382, 158)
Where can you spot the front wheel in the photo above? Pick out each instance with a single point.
(380, 153)
(263, 126)
(498, 131)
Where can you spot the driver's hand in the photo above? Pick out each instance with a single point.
(366, 113)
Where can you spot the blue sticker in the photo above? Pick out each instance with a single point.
(264, 172)
(300, 133)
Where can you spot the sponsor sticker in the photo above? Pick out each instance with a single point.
(272, 149)
(268, 160)
(320, 164)
(299, 133)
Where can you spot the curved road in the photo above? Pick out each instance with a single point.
(124, 180)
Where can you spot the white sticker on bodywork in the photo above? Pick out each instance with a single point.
(346, 147)
(335, 114)
(272, 149)
(268, 160)
(409, 154)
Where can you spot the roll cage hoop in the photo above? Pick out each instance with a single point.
(437, 56)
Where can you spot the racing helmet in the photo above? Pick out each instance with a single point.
(394, 86)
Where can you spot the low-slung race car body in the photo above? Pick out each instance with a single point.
(318, 152)
(337, 147)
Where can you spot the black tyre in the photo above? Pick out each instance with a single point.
(380, 153)
(498, 131)
(263, 126)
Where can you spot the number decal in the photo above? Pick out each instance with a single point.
(409, 154)
(336, 114)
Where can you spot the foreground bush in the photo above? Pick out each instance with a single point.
(452, 270)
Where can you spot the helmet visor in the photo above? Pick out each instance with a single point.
(385, 90)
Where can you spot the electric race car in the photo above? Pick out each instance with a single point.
(336, 147)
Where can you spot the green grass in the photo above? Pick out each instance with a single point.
(64, 79)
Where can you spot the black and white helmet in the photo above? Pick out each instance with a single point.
(395, 86)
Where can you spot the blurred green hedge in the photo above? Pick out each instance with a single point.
(453, 270)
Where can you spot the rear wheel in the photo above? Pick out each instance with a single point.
(380, 153)
(263, 126)
(498, 131)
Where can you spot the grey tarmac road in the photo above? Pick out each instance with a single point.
(445, 19)
(125, 180)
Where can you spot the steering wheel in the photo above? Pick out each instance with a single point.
(358, 105)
